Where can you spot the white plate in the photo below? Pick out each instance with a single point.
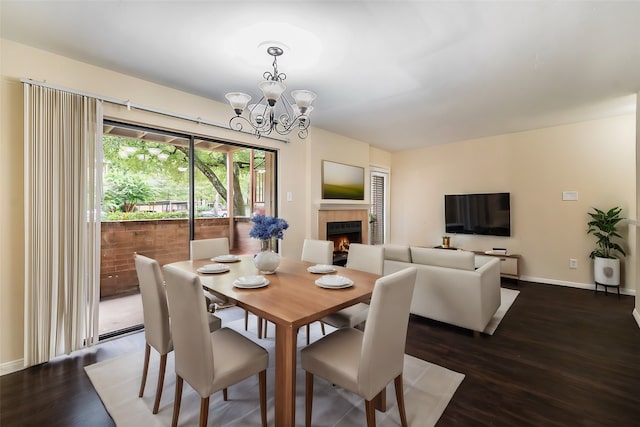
(250, 280)
(321, 269)
(334, 282)
(245, 286)
(225, 258)
(213, 268)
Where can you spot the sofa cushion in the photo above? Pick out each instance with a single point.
(397, 253)
(462, 260)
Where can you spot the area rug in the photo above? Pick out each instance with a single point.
(507, 298)
(428, 390)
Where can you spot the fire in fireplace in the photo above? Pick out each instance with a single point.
(342, 234)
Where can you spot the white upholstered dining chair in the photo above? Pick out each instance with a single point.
(209, 248)
(369, 258)
(157, 330)
(208, 362)
(320, 252)
(365, 362)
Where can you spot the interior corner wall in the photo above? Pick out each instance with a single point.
(594, 158)
(296, 158)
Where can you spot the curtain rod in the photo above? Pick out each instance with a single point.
(131, 105)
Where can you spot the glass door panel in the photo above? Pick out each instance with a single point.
(144, 210)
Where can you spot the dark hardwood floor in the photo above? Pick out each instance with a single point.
(561, 357)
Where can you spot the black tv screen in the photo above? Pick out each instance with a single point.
(486, 214)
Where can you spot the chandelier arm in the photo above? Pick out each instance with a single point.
(303, 133)
(302, 125)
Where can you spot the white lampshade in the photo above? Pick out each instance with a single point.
(303, 99)
(238, 101)
(272, 90)
(297, 112)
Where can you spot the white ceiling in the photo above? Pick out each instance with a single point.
(396, 74)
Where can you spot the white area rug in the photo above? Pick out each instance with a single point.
(507, 297)
(428, 390)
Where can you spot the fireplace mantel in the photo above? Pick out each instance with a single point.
(342, 206)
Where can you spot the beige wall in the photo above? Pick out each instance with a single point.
(595, 158)
(298, 160)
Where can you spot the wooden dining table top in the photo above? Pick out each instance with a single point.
(291, 297)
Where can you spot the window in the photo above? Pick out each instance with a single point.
(378, 211)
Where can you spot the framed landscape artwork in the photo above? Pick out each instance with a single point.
(340, 181)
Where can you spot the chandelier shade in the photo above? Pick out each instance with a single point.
(269, 114)
(238, 101)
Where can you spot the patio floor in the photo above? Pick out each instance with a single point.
(120, 313)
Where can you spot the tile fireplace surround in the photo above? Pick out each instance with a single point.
(332, 215)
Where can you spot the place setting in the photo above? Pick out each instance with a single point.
(321, 269)
(226, 258)
(251, 282)
(334, 281)
(213, 269)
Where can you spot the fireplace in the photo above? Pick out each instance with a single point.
(346, 217)
(342, 234)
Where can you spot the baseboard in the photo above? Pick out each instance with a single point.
(587, 286)
(13, 366)
(636, 316)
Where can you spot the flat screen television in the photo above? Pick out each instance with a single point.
(486, 214)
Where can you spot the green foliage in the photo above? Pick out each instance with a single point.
(122, 192)
(163, 168)
(133, 216)
(603, 226)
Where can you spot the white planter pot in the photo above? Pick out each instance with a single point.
(607, 271)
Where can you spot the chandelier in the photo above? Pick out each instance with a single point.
(268, 114)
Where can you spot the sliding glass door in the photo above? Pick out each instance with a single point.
(158, 196)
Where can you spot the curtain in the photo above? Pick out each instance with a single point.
(62, 191)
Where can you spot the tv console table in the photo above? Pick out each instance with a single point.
(509, 264)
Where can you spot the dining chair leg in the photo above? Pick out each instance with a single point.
(159, 387)
(204, 411)
(246, 320)
(145, 368)
(400, 399)
(176, 401)
(259, 325)
(308, 400)
(225, 395)
(308, 333)
(262, 382)
(371, 413)
(322, 328)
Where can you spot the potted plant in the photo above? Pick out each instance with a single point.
(606, 265)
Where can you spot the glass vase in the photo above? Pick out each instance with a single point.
(267, 260)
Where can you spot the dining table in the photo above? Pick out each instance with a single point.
(291, 299)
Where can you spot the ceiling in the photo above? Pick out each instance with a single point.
(396, 74)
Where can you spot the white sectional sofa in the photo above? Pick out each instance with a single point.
(451, 285)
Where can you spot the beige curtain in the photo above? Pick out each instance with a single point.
(62, 188)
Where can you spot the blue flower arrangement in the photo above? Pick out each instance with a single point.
(265, 227)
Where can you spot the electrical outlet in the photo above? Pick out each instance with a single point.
(573, 263)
